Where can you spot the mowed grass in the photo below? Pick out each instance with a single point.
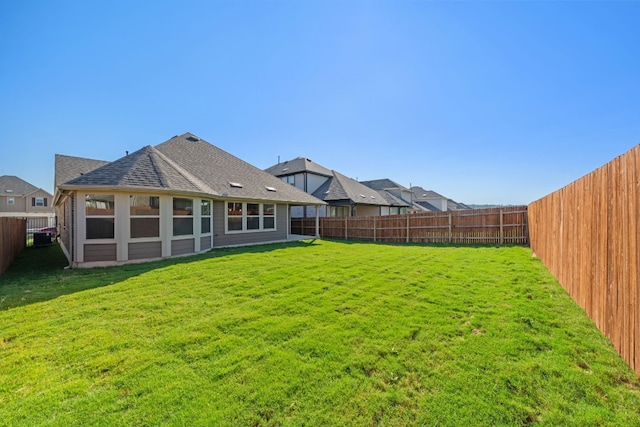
(309, 333)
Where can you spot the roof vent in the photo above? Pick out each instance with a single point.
(9, 191)
(285, 169)
(235, 184)
(270, 189)
(373, 197)
(193, 138)
(363, 196)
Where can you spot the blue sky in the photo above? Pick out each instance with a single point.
(485, 102)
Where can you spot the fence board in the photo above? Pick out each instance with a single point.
(506, 225)
(13, 240)
(586, 234)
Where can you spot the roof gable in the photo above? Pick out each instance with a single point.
(70, 167)
(11, 185)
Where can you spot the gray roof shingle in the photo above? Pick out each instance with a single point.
(340, 187)
(297, 165)
(11, 185)
(70, 167)
(186, 163)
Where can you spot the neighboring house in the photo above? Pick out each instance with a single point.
(18, 198)
(452, 205)
(306, 175)
(435, 202)
(183, 196)
(344, 196)
(395, 191)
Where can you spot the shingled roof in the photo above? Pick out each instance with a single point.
(297, 165)
(13, 186)
(186, 163)
(70, 167)
(340, 187)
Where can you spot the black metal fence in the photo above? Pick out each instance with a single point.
(41, 230)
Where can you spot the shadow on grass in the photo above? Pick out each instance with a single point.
(39, 274)
(428, 245)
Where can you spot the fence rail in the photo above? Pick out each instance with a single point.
(586, 234)
(13, 239)
(506, 225)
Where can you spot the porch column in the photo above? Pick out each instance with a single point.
(317, 221)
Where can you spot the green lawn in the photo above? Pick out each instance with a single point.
(309, 333)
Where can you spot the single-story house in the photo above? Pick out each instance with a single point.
(183, 196)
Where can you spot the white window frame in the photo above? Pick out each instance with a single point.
(11, 200)
(245, 216)
(209, 216)
(39, 202)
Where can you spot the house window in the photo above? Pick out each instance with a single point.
(99, 209)
(394, 211)
(289, 179)
(39, 201)
(10, 201)
(250, 217)
(253, 216)
(144, 214)
(205, 216)
(182, 216)
(234, 216)
(268, 216)
(340, 210)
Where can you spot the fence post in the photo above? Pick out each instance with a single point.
(374, 229)
(346, 234)
(450, 229)
(501, 227)
(407, 228)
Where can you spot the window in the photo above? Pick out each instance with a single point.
(269, 216)
(99, 209)
(234, 216)
(250, 217)
(182, 216)
(339, 210)
(144, 214)
(253, 216)
(289, 179)
(10, 201)
(205, 216)
(39, 201)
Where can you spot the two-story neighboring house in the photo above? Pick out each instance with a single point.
(344, 196)
(18, 198)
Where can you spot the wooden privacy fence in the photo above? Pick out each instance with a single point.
(506, 225)
(587, 235)
(13, 239)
